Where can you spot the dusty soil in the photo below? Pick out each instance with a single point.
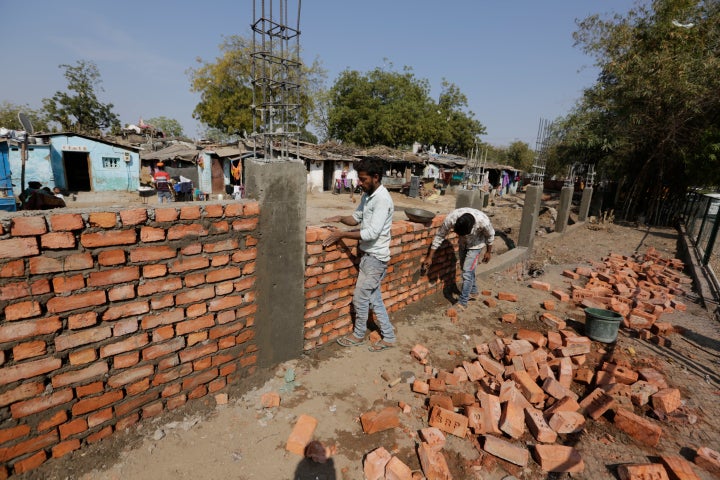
(243, 441)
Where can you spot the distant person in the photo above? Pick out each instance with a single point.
(374, 215)
(162, 184)
(475, 232)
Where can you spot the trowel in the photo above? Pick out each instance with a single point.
(419, 273)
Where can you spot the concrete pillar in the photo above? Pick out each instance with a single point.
(464, 198)
(585, 204)
(531, 211)
(477, 200)
(279, 187)
(561, 221)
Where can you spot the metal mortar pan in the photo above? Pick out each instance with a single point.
(419, 215)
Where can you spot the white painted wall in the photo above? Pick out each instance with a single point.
(315, 177)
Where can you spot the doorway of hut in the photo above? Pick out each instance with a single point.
(328, 176)
(77, 171)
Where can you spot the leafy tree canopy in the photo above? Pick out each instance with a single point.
(79, 109)
(9, 117)
(386, 107)
(169, 126)
(653, 115)
(225, 88)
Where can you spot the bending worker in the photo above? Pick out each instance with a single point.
(475, 232)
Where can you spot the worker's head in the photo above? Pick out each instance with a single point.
(160, 165)
(370, 173)
(464, 224)
(34, 184)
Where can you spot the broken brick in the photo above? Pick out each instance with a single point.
(641, 429)
(566, 422)
(566, 404)
(666, 400)
(506, 296)
(549, 305)
(560, 295)
(375, 462)
(397, 470)
(506, 450)
(512, 420)
(491, 413)
(596, 403)
(583, 375)
(538, 285)
(509, 318)
(419, 352)
(474, 370)
(536, 338)
(653, 377)
(270, 400)
(301, 434)
(420, 387)
(708, 459)
(678, 468)
(641, 471)
(556, 390)
(558, 458)
(528, 387)
(552, 321)
(570, 274)
(433, 437)
(641, 391)
(433, 463)
(385, 419)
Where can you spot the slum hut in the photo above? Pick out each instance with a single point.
(77, 163)
(400, 166)
(221, 169)
(7, 198)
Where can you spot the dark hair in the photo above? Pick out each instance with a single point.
(371, 166)
(464, 224)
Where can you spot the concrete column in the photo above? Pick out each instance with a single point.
(561, 221)
(531, 211)
(279, 187)
(585, 204)
(464, 198)
(477, 200)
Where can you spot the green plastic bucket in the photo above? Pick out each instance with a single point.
(602, 325)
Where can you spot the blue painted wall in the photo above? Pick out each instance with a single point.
(37, 167)
(7, 200)
(121, 175)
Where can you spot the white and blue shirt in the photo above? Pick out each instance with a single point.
(375, 214)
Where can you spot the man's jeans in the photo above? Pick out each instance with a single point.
(468, 260)
(367, 295)
(164, 197)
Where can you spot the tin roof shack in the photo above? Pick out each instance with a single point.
(220, 167)
(81, 163)
(38, 167)
(180, 159)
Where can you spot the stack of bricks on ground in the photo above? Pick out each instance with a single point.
(532, 382)
(114, 316)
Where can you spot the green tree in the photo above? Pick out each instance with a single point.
(520, 155)
(226, 91)
(386, 107)
(80, 110)
(652, 116)
(9, 117)
(169, 126)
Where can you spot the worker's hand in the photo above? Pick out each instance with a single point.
(334, 219)
(426, 261)
(332, 238)
(486, 257)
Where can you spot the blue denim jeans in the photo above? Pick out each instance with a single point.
(367, 295)
(164, 197)
(468, 260)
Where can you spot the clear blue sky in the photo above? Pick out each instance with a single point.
(513, 59)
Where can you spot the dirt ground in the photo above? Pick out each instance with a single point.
(243, 441)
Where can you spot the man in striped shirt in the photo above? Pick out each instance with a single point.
(475, 232)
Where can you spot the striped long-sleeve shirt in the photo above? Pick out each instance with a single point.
(481, 234)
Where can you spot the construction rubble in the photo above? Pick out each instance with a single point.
(530, 396)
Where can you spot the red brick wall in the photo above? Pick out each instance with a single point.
(330, 275)
(114, 316)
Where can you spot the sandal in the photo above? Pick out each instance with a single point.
(380, 346)
(350, 341)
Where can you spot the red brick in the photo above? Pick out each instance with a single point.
(374, 464)
(708, 459)
(66, 222)
(12, 433)
(596, 403)
(538, 285)
(12, 291)
(57, 240)
(251, 209)
(114, 276)
(301, 434)
(448, 421)
(69, 283)
(30, 369)
(130, 376)
(55, 420)
(17, 248)
(536, 338)
(621, 373)
(163, 349)
(245, 224)
(15, 268)
(549, 305)
(111, 257)
(99, 435)
(558, 458)
(641, 429)
(33, 444)
(20, 310)
(166, 214)
(154, 271)
(560, 295)
(128, 344)
(63, 448)
(21, 392)
(78, 261)
(506, 450)
(195, 295)
(189, 263)
(641, 471)
(83, 356)
(27, 226)
(666, 400)
(126, 310)
(193, 230)
(103, 219)
(135, 216)
(123, 292)
(30, 463)
(83, 337)
(108, 238)
(90, 404)
(570, 274)
(397, 470)
(90, 389)
(566, 422)
(538, 426)
(552, 321)
(28, 350)
(678, 468)
(506, 296)
(528, 387)
(99, 417)
(80, 376)
(152, 254)
(75, 302)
